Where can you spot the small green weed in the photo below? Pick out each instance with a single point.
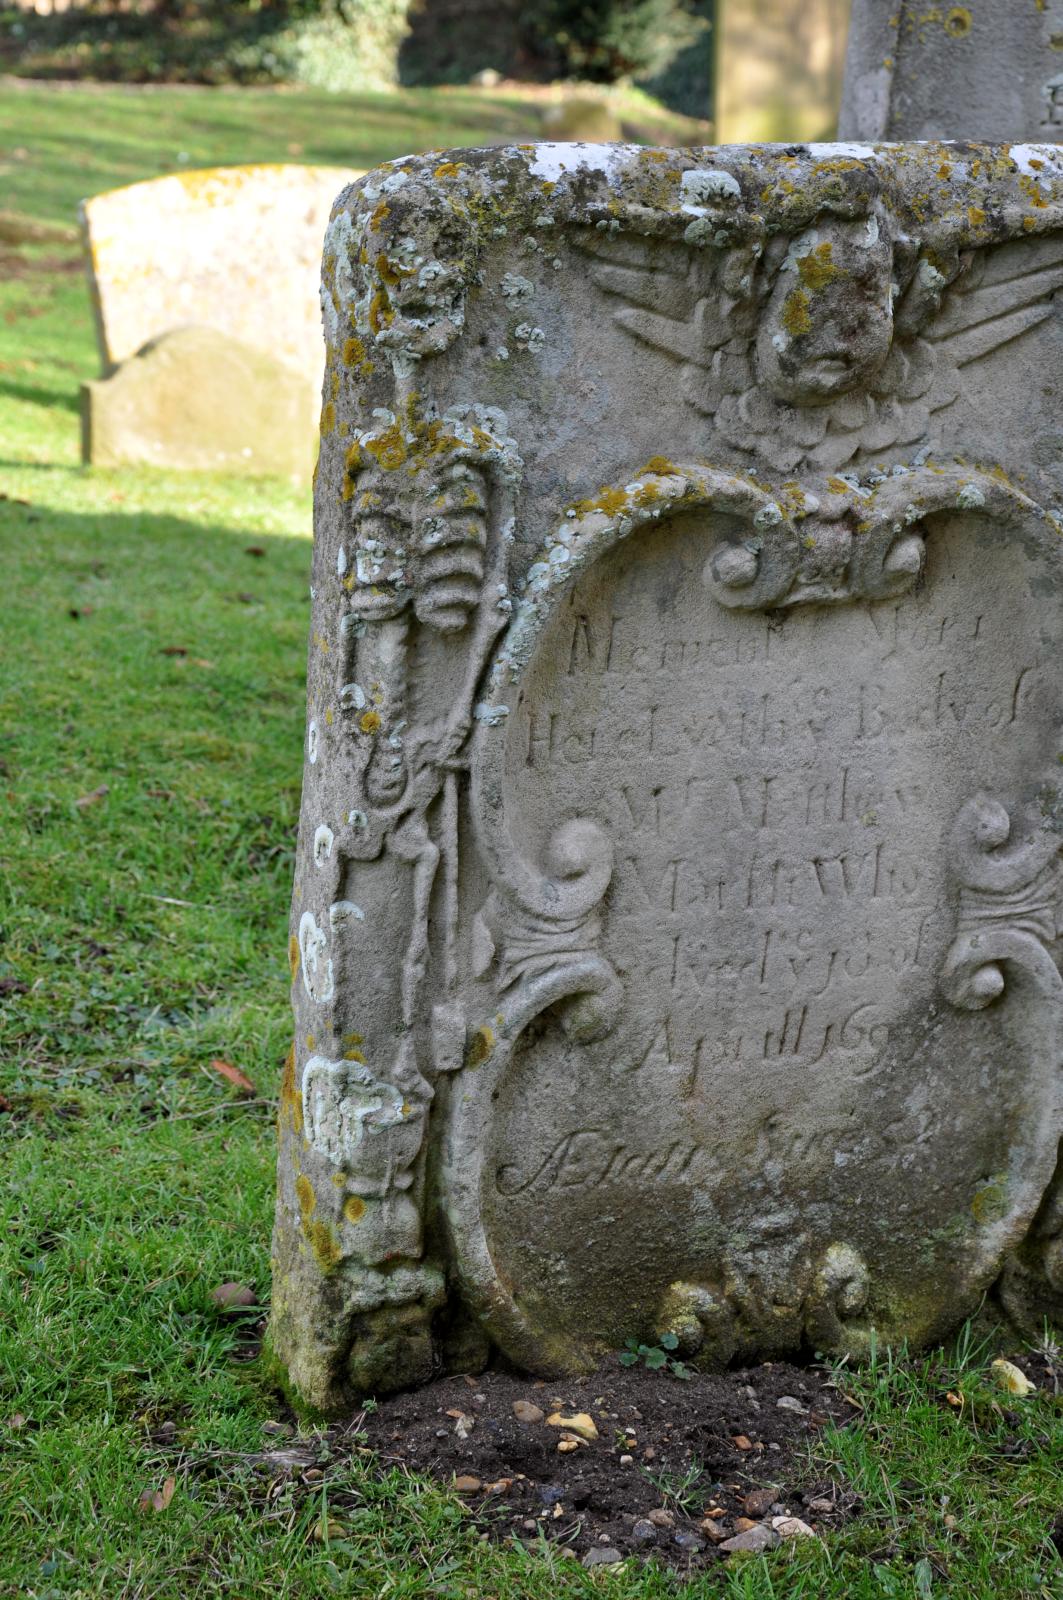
(655, 1357)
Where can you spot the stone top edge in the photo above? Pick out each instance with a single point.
(941, 195)
(986, 190)
(234, 174)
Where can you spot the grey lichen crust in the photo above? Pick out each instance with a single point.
(678, 874)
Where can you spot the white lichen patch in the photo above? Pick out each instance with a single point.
(311, 743)
(708, 186)
(553, 161)
(515, 288)
(341, 912)
(343, 1105)
(490, 714)
(324, 838)
(315, 960)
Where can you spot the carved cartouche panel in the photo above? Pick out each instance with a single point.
(826, 1102)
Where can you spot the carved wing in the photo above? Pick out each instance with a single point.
(1005, 293)
(679, 301)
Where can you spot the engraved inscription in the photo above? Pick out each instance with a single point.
(780, 790)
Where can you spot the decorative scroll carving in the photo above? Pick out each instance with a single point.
(1010, 906)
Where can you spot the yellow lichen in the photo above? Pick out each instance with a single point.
(325, 1245)
(293, 957)
(369, 722)
(958, 22)
(659, 465)
(388, 448)
(796, 318)
(817, 268)
(975, 216)
(304, 1193)
(483, 1042)
(447, 169)
(328, 416)
(354, 1208)
(381, 314)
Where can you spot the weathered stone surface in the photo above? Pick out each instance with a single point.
(778, 68)
(678, 892)
(199, 401)
(992, 70)
(232, 248)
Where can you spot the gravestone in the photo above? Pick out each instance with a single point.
(778, 69)
(232, 250)
(675, 929)
(198, 401)
(991, 69)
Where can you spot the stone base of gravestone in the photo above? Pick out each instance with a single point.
(198, 401)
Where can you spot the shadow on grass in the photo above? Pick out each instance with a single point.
(34, 395)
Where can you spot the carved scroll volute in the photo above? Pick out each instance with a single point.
(1008, 883)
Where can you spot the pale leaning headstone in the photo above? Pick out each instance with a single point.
(991, 69)
(232, 250)
(676, 922)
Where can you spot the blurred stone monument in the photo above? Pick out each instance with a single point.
(778, 69)
(676, 930)
(992, 69)
(205, 289)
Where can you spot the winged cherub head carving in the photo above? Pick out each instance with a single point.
(828, 344)
(826, 327)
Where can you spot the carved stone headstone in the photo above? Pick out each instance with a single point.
(233, 251)
(675, 932)
(991, 69)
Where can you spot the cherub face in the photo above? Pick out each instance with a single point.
(828, 324)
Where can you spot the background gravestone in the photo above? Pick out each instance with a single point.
(233, 253)
(992, 69)
(778, 69)
(675, 930)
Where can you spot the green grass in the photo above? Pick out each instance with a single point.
(143, 935)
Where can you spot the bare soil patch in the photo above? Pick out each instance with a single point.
(678, 1468)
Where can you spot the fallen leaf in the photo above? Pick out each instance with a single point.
(173, 650)
(201, 661)
(83, 801)
(15, 1421)
(225, 1069)
(157, 1499)
(580, 1423)
(1012, 1378)
(954, 1399)
(229, 1295)
(327, 1528)
(77, 612)
(254, 550)
(740, 1442)
(465, 1484)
